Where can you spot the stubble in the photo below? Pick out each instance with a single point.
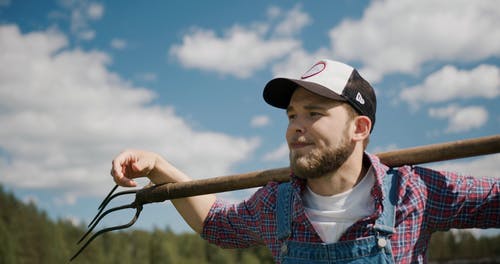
(320, 161)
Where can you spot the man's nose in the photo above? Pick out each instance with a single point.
(297, 126)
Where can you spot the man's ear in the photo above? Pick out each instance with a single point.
(363, 125)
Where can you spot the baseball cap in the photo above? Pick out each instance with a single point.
(331, 79)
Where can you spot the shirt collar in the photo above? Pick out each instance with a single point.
(380, 171)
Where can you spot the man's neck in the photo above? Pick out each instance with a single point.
(342, 180)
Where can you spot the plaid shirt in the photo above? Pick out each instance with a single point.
(428, 201)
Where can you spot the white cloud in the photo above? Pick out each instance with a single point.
(66, 116)
(95, 11)
(274, 12)
(293, 22)
(278, 154)
(81, 13)
(461, 119)
(87, 34)
(241, 51)
(380, 149)
(486, 166)
(66, 199)
(31, 199)
(260, 121)
(75, 221)
(449, 83)
(399, 36)
(118, 44)
(147, 76)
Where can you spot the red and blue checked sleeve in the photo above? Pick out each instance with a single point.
(244, 224)
(455, 201)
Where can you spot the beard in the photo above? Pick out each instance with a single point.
(319, 162)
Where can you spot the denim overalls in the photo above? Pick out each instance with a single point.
(372, 249)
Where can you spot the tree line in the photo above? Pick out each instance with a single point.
(28, 235)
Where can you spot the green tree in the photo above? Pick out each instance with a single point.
(8, 247)
(161, 249)
(442, 246)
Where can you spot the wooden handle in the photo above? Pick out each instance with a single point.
(409, 156)
(442, 151)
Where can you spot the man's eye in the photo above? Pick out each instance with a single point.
(314, 114)
(291, 116)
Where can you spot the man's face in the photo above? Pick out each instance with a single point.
(318, 134)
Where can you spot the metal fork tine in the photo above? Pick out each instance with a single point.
(103, 204)
(105, 230)
(107, 200)
(107, 196)
(132, 205)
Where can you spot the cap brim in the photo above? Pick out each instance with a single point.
(279, 91)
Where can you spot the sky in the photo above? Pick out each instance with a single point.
(80, 81)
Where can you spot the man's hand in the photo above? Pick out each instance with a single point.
(131, 164)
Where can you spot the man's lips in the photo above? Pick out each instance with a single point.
(298, 145)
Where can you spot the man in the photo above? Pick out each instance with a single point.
(341, 204)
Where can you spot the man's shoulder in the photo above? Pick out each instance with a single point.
(381, 168)
(267, 194)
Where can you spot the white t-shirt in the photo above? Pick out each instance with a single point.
(332, 215)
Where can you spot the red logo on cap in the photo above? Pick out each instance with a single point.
(315, 69)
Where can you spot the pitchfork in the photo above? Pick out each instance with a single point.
(168, 191)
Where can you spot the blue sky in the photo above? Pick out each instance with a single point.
(82, 80)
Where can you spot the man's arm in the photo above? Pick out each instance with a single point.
(132, 164)
(455, 201)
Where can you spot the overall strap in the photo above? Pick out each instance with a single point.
(385, 222)
(284, 211)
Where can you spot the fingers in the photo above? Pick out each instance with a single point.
(121, 169)
(132, 164)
